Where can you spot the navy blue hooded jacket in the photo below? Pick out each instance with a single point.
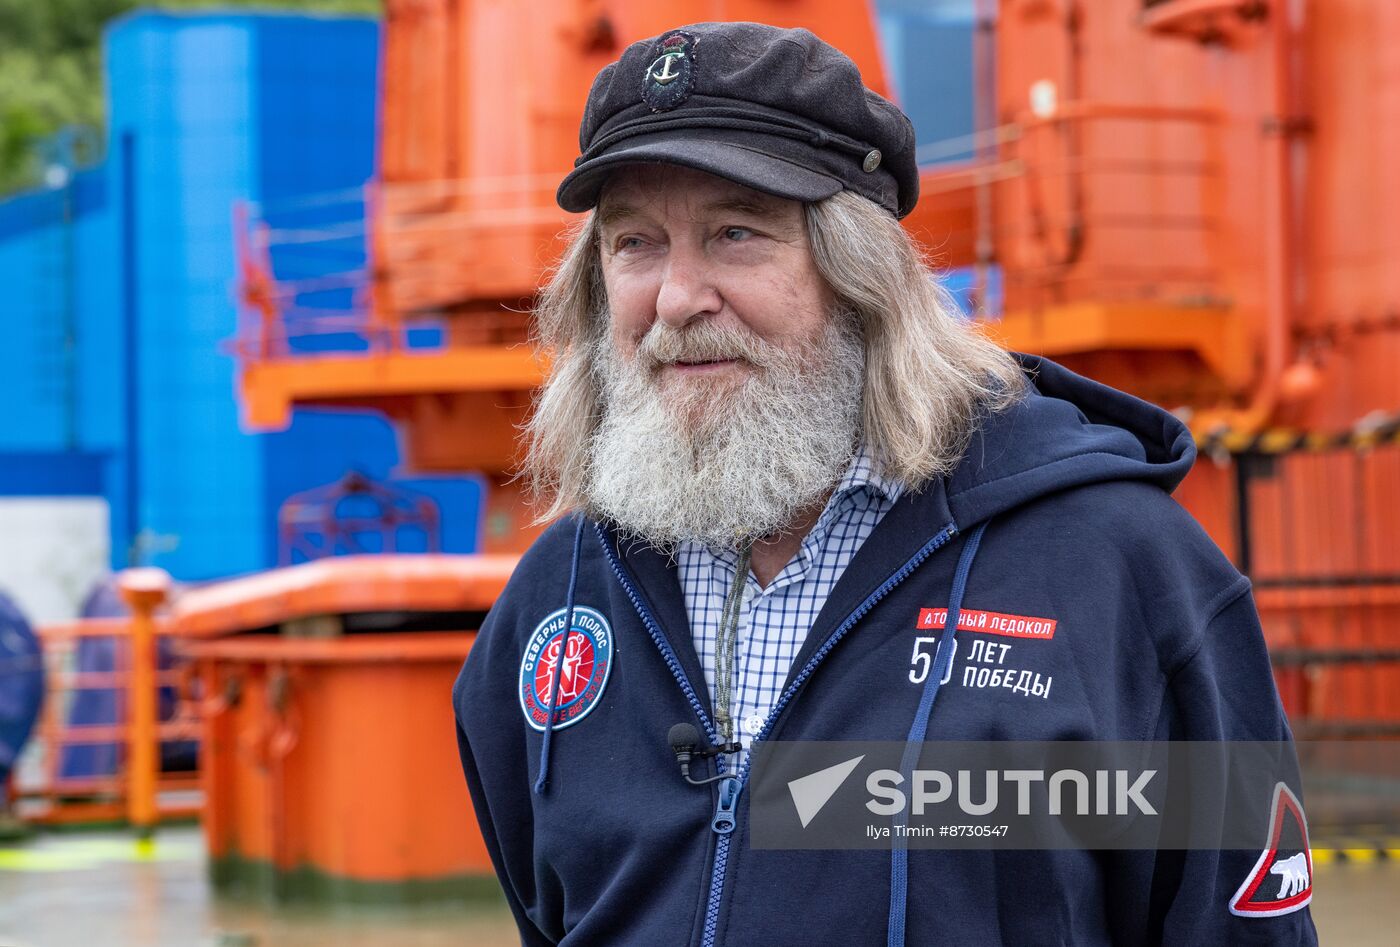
(1155, 636)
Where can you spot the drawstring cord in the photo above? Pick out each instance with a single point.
(724, 647)
(899, 855)
(556, 675)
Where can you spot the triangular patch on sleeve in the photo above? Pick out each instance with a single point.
(1282, 879)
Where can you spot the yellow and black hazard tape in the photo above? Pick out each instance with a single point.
(1357, 851)
(1373, 432)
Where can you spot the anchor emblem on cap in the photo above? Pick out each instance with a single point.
(666, 75)
(668, 79)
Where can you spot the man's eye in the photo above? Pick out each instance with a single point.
(737, 233)
(628, 243)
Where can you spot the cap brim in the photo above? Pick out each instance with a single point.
(744, 165)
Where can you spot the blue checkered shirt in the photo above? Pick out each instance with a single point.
(774, 621)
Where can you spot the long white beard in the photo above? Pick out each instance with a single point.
(718, 461)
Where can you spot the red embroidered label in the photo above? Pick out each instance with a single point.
(992, 623)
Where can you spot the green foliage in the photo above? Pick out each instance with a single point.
(51, 66)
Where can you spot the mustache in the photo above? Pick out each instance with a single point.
(705, 342)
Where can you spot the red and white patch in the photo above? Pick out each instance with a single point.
(991, 623)
(1281, 880)
(582, 659)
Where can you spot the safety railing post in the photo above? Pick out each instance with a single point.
(144, 590)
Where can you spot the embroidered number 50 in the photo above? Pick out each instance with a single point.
(922, 661)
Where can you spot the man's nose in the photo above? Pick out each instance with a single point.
(688, 289)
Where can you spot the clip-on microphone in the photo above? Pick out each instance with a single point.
(683, 738)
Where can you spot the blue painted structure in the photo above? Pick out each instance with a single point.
(55, 263)
(929, 57)
(120, 306)
(928, 49)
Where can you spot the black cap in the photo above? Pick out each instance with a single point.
(777, 110)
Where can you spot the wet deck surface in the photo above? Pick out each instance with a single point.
(104, 890)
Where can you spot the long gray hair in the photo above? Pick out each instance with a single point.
(930, 375)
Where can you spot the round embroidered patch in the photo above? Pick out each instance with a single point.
(583, 672)
(671, 73)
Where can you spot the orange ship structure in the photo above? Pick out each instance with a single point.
(1187, 199)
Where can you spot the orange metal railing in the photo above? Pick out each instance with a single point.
(1112, 201)
(1315, 538)
(412, 255)
(335, 305)
(136, 792)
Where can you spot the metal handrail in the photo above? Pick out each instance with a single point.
(135, 790)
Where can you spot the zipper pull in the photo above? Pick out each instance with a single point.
(724, 820)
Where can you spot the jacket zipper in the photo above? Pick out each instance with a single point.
(947, 533)
(726, 812)
(654, 630)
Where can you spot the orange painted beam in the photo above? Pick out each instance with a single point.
(60, 632)
(1075, 328)
(399, 647)
(273, 387)
(343, 585)
(88, 733)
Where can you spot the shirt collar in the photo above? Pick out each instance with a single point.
(863, 471)
(862, 474)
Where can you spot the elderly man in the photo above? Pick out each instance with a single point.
(776, 454)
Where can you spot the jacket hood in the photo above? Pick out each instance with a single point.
(1067, 431)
